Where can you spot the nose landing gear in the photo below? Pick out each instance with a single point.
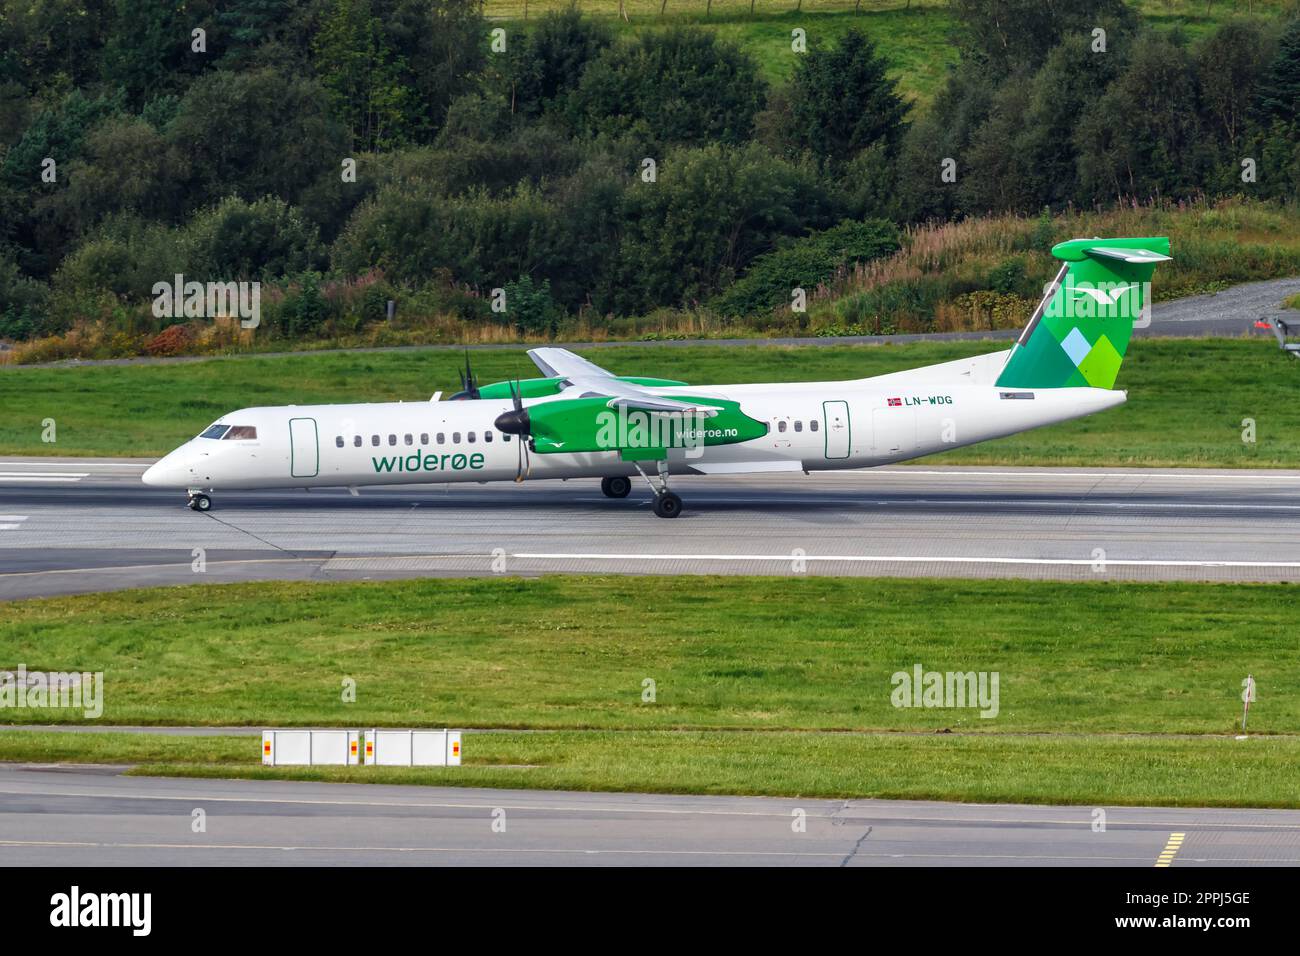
(199, 501)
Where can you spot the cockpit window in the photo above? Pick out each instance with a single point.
(238, 432)
(214, 431)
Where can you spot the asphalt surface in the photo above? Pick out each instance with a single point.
(72, 525)
(1231, 312)
(72, 816)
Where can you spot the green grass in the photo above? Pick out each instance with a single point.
(1109, 693)
(1259, 772)
(1187, 398)
(723, 652)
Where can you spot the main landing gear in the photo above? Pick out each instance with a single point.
(666, 504)
(616, 487)
(199, 501)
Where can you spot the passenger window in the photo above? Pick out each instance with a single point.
(240, 433)
(339, 441)
(214, 431)
(409, 439)
(424, 438)
(455, 438)
(392, 439)
(374, 440)
(471, 438)
(356, 440)
(487, 436)
(812, 425)
(505, 436)
(780, 426)
(441, 438)
(798, 426)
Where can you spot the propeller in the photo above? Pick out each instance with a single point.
(516, 422)
(468, 384)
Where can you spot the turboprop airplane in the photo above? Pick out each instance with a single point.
(579, 420)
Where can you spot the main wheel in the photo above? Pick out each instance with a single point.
(668, 505)
(200, 502)
(615, 487)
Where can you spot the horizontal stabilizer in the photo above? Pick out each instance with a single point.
(1128, 255)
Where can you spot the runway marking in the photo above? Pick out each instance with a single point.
(779, 558)
(1171, 849)
(1136, 473)
(579, 851)
(11, 522)
(882, 819)
(421, 849)
(904, 559)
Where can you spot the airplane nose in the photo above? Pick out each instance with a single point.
(171, 471)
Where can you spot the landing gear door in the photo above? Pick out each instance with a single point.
(304, 448)
(837, 428)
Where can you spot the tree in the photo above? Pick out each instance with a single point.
(149, 51)
(362, 75)
(265, 239)
(1279, 89)
(1143, 137)
(127, 167)
(713, 210)
(1229, 67)
(841, 100)
(1009, 35)
(675, 86)
(544, 65)
(442, 44)
(256, 133)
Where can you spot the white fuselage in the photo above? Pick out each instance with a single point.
(812, 426)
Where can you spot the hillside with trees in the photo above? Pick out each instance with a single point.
(345, 153)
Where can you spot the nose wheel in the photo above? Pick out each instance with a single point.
(199, 501)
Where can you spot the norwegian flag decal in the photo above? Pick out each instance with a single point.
(895, 401)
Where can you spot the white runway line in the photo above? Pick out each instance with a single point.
(910, 559)
(1047, 473)
(9, 522)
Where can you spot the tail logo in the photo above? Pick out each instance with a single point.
(1103, 297)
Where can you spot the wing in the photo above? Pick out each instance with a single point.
(587, 380)
(564, 364)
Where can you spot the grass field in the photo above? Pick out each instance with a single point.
(1107, 693)
(1259, 772)
(723, 652)
(1187, 398)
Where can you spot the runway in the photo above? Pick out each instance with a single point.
(73, 525)
(93, 816)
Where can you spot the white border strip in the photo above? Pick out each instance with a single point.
(906, 559)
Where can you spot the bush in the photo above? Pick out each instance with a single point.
(173, 340)
(530, 308)
(806, 264)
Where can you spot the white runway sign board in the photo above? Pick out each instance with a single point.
(413, 748)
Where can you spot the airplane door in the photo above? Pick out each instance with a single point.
(893, 431)
(837, 428)
(304, 448)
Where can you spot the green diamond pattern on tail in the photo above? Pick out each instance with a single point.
(1101, 364)
(1078, 335)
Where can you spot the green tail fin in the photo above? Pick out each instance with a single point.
(1079, 333)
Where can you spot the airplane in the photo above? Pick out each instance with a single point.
(579, 420)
